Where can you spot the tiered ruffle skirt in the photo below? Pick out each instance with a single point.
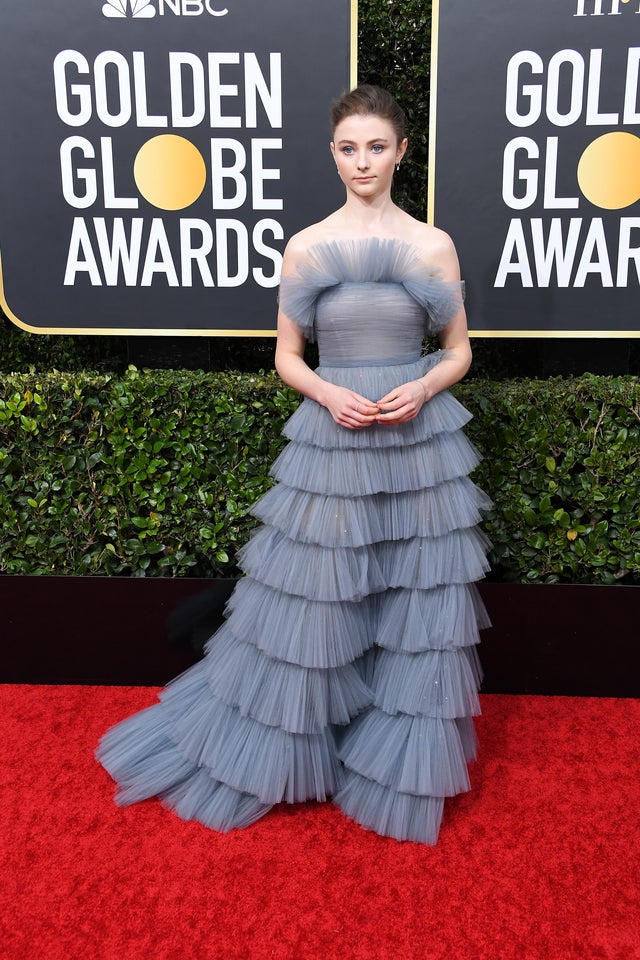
(346, 666)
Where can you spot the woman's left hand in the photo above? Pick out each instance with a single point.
(403, 403)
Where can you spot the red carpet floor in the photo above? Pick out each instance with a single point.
(541, 860)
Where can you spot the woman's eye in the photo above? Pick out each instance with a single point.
(377, 148)
(347, 150)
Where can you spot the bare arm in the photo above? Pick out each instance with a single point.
(347, 407)
(404, 402)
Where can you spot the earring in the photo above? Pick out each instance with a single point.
(397, 167)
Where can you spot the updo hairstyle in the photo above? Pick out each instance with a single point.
(369, 101)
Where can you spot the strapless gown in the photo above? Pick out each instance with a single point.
(346, 667)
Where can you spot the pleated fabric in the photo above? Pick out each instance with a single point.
(346, 666)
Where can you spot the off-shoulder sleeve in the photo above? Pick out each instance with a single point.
(299, 291)
(442, 299)
(297, 299)
(375, 259)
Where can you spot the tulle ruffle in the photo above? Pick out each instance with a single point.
(373, 260)
(334, 521)
(312, 421)
(346, 665)
(343, 573)
(351, 473)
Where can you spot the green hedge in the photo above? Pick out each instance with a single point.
(562, 464)
(152, 474)
(146, 474)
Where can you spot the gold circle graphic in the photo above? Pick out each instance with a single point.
(609, 171)
(169, 172)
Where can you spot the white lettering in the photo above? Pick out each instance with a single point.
(631, 114)
(514, 244)
(218, 90)
(110, 58)
(527, 177)
(532, 92)
(569, 91)
(561, 249)
(80, 258)
(555, 252)
(192, 8)
(626, 252)
(108, 180)
(594, 117)
(551, 201)
(595, 242)
(220, 173)
(223, 229)
(214, 12)
(86, 175)
(576, 63)
(79, 90)
(270, 94)
(117, 91)
(118, 251)
(190, 254)
(275, 228)
(143, 119)
(158, 244)
(177, 63)
(259, 174)
(597, 10)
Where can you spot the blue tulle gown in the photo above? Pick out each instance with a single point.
(346, 667)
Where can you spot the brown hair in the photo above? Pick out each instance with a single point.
(366, 101)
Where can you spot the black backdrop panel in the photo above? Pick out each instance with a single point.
(156, 155)
(536, 162)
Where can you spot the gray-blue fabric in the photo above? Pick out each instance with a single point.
(346, 666)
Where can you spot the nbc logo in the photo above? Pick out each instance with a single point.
(128, 8)
(144, 9)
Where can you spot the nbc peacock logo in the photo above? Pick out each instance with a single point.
(143, 9)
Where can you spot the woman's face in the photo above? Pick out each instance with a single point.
(366, 150)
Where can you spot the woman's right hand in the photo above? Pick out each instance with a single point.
(350, 409)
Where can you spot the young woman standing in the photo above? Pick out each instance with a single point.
(346, 667)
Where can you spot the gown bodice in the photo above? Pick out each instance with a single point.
(368, 301)
(368, 323)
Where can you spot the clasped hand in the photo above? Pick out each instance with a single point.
(352, 410)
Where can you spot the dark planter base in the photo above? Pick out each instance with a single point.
(556, 640)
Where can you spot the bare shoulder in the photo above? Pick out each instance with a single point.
(299, 244)
(437, 249)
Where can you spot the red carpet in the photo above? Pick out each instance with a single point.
(541, 860)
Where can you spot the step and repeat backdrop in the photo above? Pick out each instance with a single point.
(156, 154)
(535, 162)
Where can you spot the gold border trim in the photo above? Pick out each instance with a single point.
(559, 334)
(353, 56)
(122, 331)
(433, 109)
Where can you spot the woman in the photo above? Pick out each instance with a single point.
(347, 664)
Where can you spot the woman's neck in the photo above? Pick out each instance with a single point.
(368, 216)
